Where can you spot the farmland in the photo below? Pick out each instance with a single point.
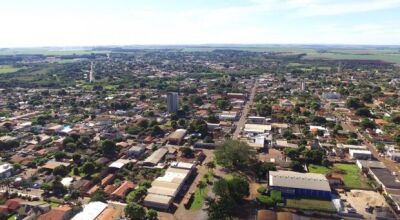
(7, 69)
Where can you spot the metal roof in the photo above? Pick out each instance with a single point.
(297, 180)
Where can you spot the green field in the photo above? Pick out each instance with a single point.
(7, 69)
(310, 204)
(352, 177)
(199, 197)
(386, 54)
(50, 52)
(312, 168)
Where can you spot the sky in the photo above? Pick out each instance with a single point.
(36, 23)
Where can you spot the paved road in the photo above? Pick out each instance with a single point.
(33, 193)
(391, 165)
(245, 112)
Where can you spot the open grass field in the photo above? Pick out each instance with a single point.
(384, 54)
(49, 52)
(7, 69)
(310, 204)
(351, 175)
(312, 168)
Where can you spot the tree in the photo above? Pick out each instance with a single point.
(151, 215)
(263, 109)
(88, 168)
(366, 123)
(210, 165)
(199, 126)
(287, 134)
(238, 188)
(76, 158)
(314, 156)
(221, 209)
(135, 211)
(136, 194)
(157, 131)
(363, 112)
(261, 169)
(354, 103)
(367, 97)
(59, 155)
(187, 152)
(201, 185)
(296, 166)
(234, 154)
(60, 171)
(108, 148)
(99, 195)
(318, 120)
(397, 139)
(223, 104)
(57, 186)
(380, 148)
(396, 119)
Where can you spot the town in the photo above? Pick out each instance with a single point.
(122, 133)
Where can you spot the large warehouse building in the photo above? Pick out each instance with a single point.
(294, 184)
(164, 189)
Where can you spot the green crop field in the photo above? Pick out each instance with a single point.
(7, 69)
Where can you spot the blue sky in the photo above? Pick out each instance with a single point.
(28, 23)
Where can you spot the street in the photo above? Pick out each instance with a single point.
(245, 112)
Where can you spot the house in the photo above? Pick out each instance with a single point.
(6, 170)
(82, 185)
(58, 213)
(294, 184)
(394, 155)
(32, 209)
(11, 205)
(137, 150)
(107, 180)
(91, 211)
(52, 164)
(123, 189)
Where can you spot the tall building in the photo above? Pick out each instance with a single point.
(172, 102)
(303, 86)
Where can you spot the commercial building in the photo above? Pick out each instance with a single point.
(294, 184)
(257, 128)
(164, 189)
(156, 156)
(177, 136)
(228, 116)
(172, 102)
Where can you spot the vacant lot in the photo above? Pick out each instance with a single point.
(312, 168)
(352, 177)
(311, 204)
